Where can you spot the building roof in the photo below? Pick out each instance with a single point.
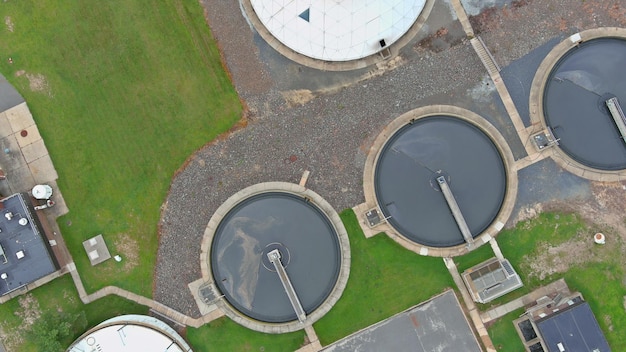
(491, 279)
(337, 30)
(573, 329)
(436, 325)
(9, 97)
(25, 254)
(131, 333)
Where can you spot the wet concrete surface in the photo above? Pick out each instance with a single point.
(474, 7)
(308, 245)
(519, 75)
(546, 182)
(574, 102)
(406, 186)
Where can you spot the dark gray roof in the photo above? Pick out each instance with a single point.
(28, 239)
(436, 325)
(9, 97)
(575, 328)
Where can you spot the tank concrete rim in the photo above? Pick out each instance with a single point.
(344, 250)
(537, 90)
(483, 125)
(253, 19)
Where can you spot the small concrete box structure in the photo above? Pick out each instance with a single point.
(97, 250)
(25, 254)
(491, 279)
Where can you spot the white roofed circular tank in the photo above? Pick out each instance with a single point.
(128, 333)
(42, 192)
(334, 30)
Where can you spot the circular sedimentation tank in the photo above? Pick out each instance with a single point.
(574, 102)
(312, 243)
(568, 97)
(445, 143)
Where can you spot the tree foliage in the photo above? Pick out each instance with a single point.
(54, 330)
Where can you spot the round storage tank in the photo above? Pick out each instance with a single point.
(439, 176)
(313, 248)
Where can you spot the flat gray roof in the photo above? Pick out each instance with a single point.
(435, 325)
(25, 255)
(9, 97)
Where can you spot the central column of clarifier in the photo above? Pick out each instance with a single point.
(456, 211)
(274, 257)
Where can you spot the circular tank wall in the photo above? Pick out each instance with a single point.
(574, 102)
(407, 190)
(312, 243)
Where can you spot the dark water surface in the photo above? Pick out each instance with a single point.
(406, 187)
(308, 244)
(583, 79)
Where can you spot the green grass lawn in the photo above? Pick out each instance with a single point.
(225, 335)
(385, 279)
(122, 91)
(601, 280)
(503, 334)
(18, 314)
(474, 257)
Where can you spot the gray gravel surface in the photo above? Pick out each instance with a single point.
(331, 134)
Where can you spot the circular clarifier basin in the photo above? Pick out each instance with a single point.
(574, 102)
(435, 148)
(312, 247)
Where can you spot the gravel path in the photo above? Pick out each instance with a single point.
(331, 134)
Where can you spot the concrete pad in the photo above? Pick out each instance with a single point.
(31, 135)
(42, 169)
(435, 325)
(21, 180)
(5, 126)
(34, 151)
(194, 288)
(311, 347)
(14, 159)
(20, 117)
(60, 207)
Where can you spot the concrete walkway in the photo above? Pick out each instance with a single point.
(500, 311)
(25, 161)
(156, 306)
(471, 307)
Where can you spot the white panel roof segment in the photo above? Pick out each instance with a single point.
(337, 30)
(131, 333)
